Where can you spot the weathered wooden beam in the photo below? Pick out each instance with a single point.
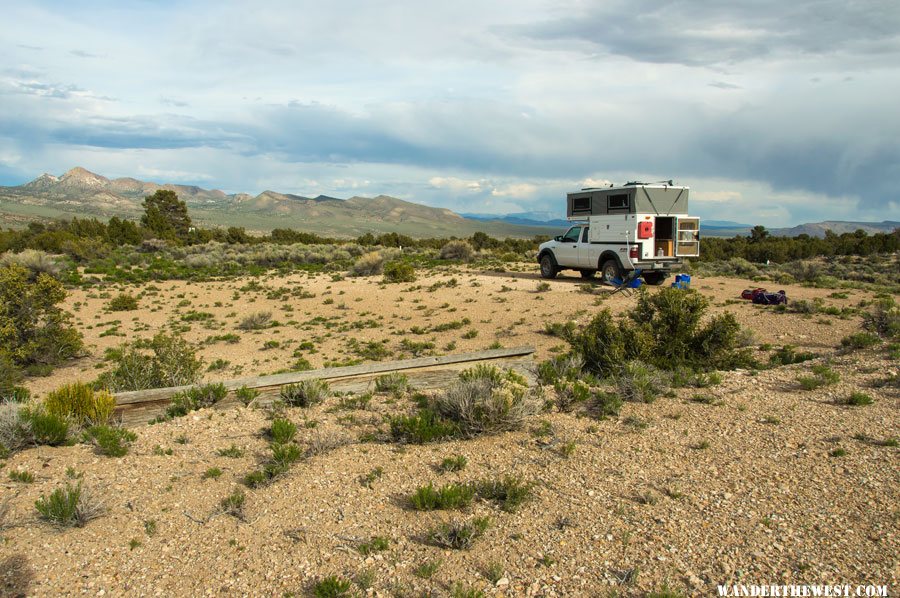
(425, 373)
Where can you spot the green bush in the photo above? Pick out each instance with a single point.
(332, 587)
(860, 340)
(450, 496)
(822, 376)
(305, 393)
(509, 492)
(421, 428)
(666, 330)
(787, 355)
(859, 399)
(196, 397)
(81, 403)
(395, 383)
(68, 507)
(164, 361)
(282, 431)
(604, 404)
(33, 330)
(44, 428)
(110, 441)
(399, 272)
(123, 302)
(455, 463)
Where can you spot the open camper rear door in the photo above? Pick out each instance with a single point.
(687, 239)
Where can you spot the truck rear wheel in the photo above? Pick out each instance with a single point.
(654, 278)
(548, 267)
(610, 270)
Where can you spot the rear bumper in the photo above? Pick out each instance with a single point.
(658, 265)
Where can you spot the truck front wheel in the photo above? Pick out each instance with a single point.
(610, 270)
(548, 267)
(654, 278)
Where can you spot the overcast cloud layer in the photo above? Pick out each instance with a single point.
(773, 112)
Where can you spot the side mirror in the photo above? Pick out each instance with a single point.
(558, 238)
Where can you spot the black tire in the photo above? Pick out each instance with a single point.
(654, 278)
(588, 273)
(610, 270)
(548, 267)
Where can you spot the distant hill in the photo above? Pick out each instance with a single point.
(82, 193)
(838, 227)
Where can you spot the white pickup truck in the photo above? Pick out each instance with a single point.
(620, 229)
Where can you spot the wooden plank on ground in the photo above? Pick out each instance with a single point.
(424, 373)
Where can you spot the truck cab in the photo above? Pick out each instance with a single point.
(616, 230)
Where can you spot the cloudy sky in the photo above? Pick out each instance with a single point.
(773, 112)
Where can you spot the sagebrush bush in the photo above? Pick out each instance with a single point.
(37, 262)
(459, 535)
(72, 506)
(486, 399)
(884, 319)
(164, 361)
(370, 264)
(123, 302)
(399, 272)
(256, 321)
(395, 382)
(860, 340)
(640, 382)
(305, 393)
(81, 403)
(33, 329)
(15, 432)
(457, 250)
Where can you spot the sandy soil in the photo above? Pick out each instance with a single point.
(676, 493)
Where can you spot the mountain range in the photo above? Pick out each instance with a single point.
(82, 193)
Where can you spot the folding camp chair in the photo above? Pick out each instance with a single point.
(627, 283)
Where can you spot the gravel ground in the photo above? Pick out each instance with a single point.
(682, 494)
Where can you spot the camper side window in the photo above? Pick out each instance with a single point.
(618, 201)
(581, 204)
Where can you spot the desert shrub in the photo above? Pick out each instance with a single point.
(10, 376)
(71, 506)
(640, 382)
(376, 544)
(282, 431)
(884, 319)
(457, 250)
(305, 393)
(822, 376)
(395, 383)
(370, 264)
(450, 496)
(399, 272)
(509, 492)
(455, 463)
(665, 330)
(459, 535)
(858, 399)
(35, 261)
(44, 428)
(860, 340)
(604, 404)
(570, 393)
(233, 504)
(81, 403)
(33, 330)
(282, 457)
(560, 367)
(332, 587)
(110, 441)
(486, 399)
(194, 398)
(788, 354)
(14, 428)
(423, 427)
(246, 395)
(256, 321)
(164, 361)
(123, 302)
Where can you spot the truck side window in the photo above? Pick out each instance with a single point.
(617, 202)
(572, 235)
(584, 236)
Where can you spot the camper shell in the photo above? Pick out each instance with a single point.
(617, 229)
